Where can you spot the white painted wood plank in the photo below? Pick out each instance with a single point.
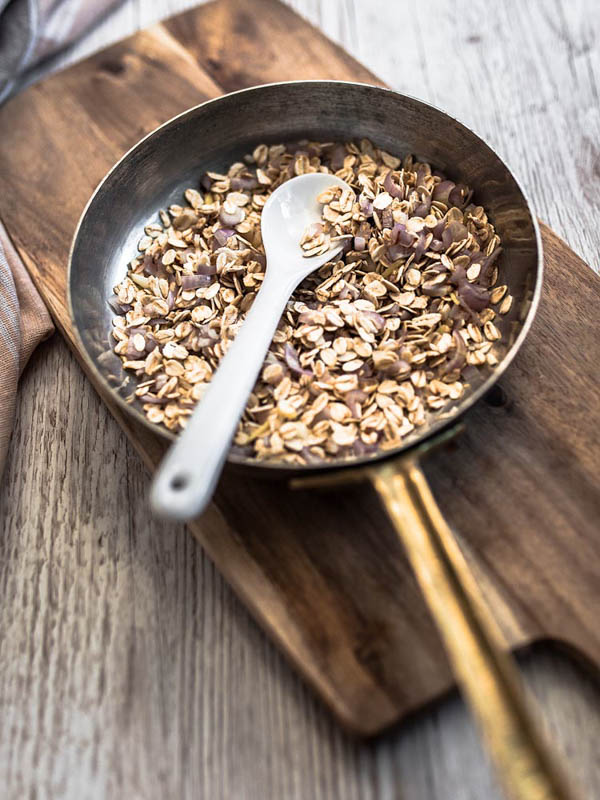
(525, 76)
(127, 667)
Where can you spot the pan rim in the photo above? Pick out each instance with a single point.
(438, 425)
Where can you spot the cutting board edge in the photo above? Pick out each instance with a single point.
(147, 457)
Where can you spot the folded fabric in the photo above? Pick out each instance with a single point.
(31, 30)
(24, 322)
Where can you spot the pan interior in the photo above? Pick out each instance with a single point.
(211, 136)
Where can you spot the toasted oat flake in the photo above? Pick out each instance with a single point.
(370, 346)
(497, 294)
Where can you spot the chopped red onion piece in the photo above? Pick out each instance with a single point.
(309, 457)
(454, 232)
(423, 171)
(392, 187)
(132, 352)
(441, 192)
(400, 235)
(423, 208)
(195, 281)
(437, 290)
(387, 218)
(293, 361)
(221, 235)
(376, 318)
(361, 449)
(459, 195)
(338, 155)
(396, 251)
(154, 267)
(366, 205)
(487, 265)
(457, 362)
(349, 290)
(206, 269)
(353, 400)
(439, 228)
(244, 183)
(151, 343)
(322, 415)
(154, 400)
(459, 276)
(118, 308)
(207, 337)
(476, 297)
(421, 245)
(231, 218)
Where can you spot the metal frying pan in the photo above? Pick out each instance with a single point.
(155, 173)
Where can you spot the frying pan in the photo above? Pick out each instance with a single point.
(155, 173)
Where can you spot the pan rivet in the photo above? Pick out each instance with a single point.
(496, 397)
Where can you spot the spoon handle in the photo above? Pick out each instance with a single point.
(189, 472)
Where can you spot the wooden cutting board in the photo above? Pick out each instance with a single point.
(323, 572)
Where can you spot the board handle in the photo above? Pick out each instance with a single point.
(477, 650)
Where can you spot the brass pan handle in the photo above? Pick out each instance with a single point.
(476, 648)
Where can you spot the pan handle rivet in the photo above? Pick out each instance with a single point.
(496, 397)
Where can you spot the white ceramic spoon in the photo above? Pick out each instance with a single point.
(187, 477)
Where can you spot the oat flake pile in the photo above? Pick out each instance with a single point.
(369, 346)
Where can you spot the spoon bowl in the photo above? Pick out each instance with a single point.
(186, 479)
(288, 212)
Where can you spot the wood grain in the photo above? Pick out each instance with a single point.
(128, 668)
(243, 45)
(317, 761)
(298, 563)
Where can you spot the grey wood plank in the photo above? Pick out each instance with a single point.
(127, 667)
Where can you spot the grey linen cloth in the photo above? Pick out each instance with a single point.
(30, 30)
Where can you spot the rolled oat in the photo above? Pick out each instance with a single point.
(369, 347)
